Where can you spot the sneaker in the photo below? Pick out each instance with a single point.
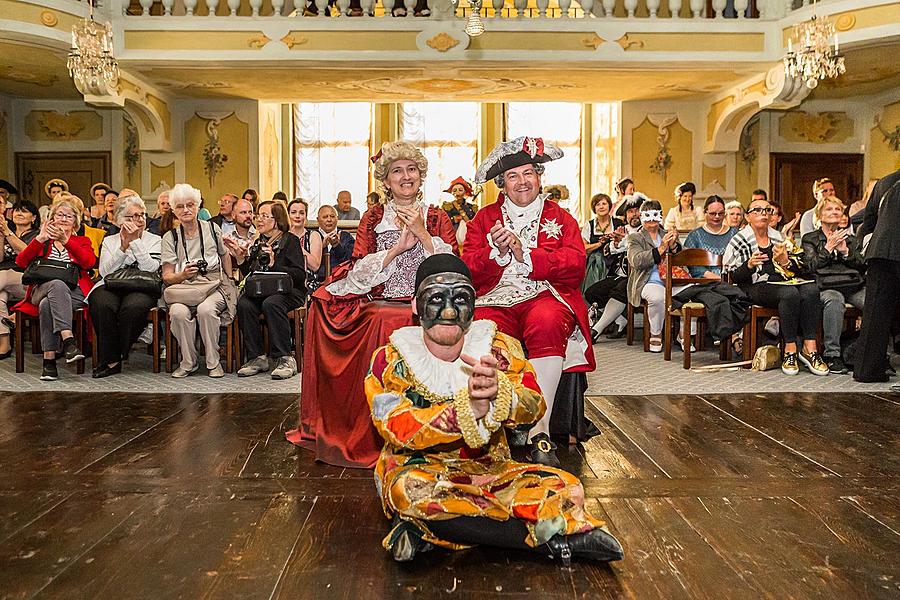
(70, 348)
(835, 365)
(181, 372)
(49, 372)
(789, 364)
(260, 364)
(217, 372)
(773, 327)
(285, 368)
(681, 343)
(162, 352)
(814, 363)
(146, 335)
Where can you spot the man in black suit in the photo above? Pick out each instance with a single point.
(882, 220)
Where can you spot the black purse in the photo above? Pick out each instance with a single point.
(43, 269)
(262, 284)
(130, 279)
(840, 278)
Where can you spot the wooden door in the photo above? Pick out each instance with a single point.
(791, 178)
(80, 170)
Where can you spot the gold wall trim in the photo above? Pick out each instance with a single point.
(372, 41)
(49, 18)
(195, 40)
(694, 42)
(32, 13)
(442, 42)
(537, 40)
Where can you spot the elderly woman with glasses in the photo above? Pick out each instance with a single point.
(120, 316)
(53, 300)
(768, 269)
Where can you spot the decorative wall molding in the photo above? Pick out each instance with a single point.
(663, 161)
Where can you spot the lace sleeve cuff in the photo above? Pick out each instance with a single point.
(365, 275)
(440, 246)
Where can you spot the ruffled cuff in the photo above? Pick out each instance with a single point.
(439, 245)
(366, 274)
(495, 253)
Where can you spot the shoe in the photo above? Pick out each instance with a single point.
(814, 363)
(162, 353)
(146, 335)
(70, 348)
(181, 373)
(773, 327)
(542, 451)
(618, 334)
(595, 544)
(6, 354)
(406, 541)
(217, 372)
(595, 336)
(789, 364)
(49, 373)
(656, 345)
(681, 343)
(835, 365)
(260, 364)
(285, 368)
(105, 371)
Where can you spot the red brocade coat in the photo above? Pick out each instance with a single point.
(559, 259)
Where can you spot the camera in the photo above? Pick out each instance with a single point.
(202, 266)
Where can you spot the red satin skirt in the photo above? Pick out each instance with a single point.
(340, 338)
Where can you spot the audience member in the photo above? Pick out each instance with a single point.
(763, 264)
(611, 292)
(119, 316)
(881, 222)
(98, 202)
(167, 223)
(108, 219)
(194, 267)
(225, 218)
(683, 216)
(645, 250)
(345, 211)
(822, 188)
(154, 223)
(240, 239)
(857, 212)
(251, 196)
(54, 187)
(372, 199)
(9, 194)
(338, 244)
(597, 234)
(713, 236)
(276, 250)
(280, 197)
(832, 256)
(460, 209)
(203, 214)
(734, 214)
(53, 300)
(26, 223)
(624, 187)
(310, 241)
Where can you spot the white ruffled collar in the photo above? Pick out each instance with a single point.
(441, 377)
(388, 220)
(531, 212)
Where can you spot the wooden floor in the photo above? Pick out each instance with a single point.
(143, 496)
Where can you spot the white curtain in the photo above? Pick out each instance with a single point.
(605, 162)
(332, 143)
(447, 134)
(559, 123)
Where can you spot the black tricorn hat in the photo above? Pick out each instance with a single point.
(515, 153)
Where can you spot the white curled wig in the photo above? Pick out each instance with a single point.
(390, 153)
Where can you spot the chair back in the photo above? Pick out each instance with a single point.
(689, 257)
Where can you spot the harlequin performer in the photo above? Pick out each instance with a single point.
(459, 210)
(442, 396)
(528, 262)
(365, 301)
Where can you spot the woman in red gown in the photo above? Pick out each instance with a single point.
(365, 302)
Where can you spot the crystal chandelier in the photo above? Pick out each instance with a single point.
(91, 63)
(474, 25)
(814, 58)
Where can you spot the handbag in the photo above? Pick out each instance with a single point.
(766, 358)
(130, 279)
(42, 270)
(262, 284)
(195, 291)
(840, 278)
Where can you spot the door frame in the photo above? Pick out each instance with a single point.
(21, 157)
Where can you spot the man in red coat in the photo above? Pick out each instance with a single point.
(528, 261)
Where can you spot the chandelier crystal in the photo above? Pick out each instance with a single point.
(814, 59)
(474, 25)
(91, 63)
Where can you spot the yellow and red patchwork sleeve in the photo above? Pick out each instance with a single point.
(529, 406)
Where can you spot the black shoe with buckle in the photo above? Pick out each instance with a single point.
(406, 541)
(618, 334)
(542, 451)
(596, 544)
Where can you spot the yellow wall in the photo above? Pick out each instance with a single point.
(746, 174)
(234, 141)
(4, 146)
(162, 174)
(269, 152)
(883, 160)
(493, 131)
(817, 128)
(644, 149)
(56, 126)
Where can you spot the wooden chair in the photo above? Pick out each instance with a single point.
(155, 318)
(629, 327)
(172, 346)
(80, 329)
(751, 329)
(297, 317)
(690, 257)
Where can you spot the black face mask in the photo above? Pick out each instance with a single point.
(446, 299)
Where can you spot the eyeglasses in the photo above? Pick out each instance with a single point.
(264, 217)
(715, 214)
(762, 210)
(64, 216)
(136, 217)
